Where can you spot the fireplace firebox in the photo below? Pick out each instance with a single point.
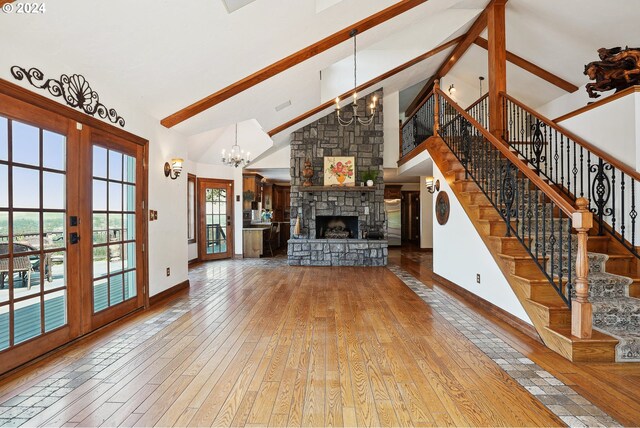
(336, 227)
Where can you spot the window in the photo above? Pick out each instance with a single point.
(191, 208)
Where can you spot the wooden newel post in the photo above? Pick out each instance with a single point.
(581, 315)
(436, 107)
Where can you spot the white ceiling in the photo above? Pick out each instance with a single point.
(163, 55)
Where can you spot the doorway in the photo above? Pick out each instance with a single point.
(215, 205)
(411, 217)
(71, 227)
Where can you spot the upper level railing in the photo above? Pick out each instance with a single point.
(479, 110)
(418, 126)
(578, 169)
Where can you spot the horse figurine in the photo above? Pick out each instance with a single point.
(617, 69)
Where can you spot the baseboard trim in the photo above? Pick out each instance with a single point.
(496, 311)
(192, 261)
(154, 300)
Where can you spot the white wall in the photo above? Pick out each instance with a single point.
(564, 104)
(459, 253)
(426, 216)
(611, 127)
(391, 129)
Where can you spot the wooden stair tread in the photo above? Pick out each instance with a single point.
(596, 336)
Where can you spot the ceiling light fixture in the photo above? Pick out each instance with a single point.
(452, 89)
(362, 120)
(236, 156)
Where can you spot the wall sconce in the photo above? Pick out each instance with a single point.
(432, 187)
(174, 168)
(452, 89)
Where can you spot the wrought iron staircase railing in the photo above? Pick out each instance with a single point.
(479, 110)
(418, 126)
(578, 169)
(534, 213)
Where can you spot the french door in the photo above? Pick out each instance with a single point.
(71, 229)
(215, 200)
(114, 248)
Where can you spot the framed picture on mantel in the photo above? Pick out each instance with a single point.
(339, 171)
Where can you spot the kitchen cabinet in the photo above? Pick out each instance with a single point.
(251, 189)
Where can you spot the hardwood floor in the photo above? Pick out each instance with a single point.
(612, 387)
(258, 343)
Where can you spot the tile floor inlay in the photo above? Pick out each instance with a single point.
(562, 400)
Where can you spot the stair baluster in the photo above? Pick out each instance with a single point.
(533, 212)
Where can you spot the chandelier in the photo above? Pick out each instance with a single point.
(236, 156)
(362, 120)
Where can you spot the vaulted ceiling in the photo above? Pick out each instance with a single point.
(163, 55)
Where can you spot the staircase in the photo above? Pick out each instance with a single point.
(532, 228)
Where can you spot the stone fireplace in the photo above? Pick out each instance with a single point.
(358, 210)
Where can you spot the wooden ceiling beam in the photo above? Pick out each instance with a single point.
(532, 68)
(290, 61)
(474, 32)
(366, 85)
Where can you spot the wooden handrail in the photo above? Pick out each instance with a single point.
(415, 110)
(599, 102)
(554, 196)
(598, 152)
(582, 221)
(478, 101)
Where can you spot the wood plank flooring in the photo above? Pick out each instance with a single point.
(612, 387)
(258, 343)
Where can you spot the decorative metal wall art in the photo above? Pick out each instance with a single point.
(442, 208)
(75, 90)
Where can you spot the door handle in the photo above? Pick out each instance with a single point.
(74, 238)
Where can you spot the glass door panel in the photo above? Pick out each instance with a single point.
(216, 219)
(113, 219)
(33, 249)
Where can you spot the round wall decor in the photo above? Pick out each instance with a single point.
(442, 208)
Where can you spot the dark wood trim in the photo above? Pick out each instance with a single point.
(193, 261)
(476, 29)
(608, 158)
(2, 2)
(598, 103)
(366, 85)
(169, 292)
(290, 61)
(194, 179)
(38, 100)
(415, 152)
(496, 311)
(532, 68)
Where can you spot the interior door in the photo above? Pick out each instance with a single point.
(215, 200)
(38, 199)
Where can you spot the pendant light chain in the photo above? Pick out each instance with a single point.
(356, 118)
